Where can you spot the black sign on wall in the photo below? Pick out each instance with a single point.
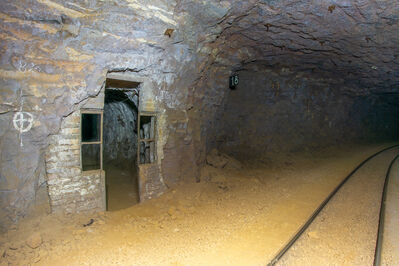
(233, 81)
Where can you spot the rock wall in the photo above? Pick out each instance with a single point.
(350, 47)
(120, 131)
(285, 111)
(70, 189)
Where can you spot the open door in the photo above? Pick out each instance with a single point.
(120, 143)
(149, 178)
(148, 170)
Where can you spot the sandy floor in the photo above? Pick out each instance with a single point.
(122, 188)
(240, 217)
(390, 248)
(345, 231)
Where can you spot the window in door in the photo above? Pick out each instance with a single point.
(147, 138)
(91, 140)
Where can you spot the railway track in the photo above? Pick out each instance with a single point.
(377, 254)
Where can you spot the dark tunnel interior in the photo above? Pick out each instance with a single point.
(120, 143)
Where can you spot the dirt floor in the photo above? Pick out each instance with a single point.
(233, 217)
(390, 247)
(122, 187)
(345, 231)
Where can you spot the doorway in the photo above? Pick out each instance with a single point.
(120, 140)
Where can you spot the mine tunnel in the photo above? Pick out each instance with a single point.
(199, 132)
(120, 143)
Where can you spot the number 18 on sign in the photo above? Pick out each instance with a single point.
(233, 81)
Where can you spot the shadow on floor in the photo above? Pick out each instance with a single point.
(122, 186)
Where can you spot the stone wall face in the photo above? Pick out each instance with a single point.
(271, 112)
(70, 189)
(120, 139)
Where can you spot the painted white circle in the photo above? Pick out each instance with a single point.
(23, 121)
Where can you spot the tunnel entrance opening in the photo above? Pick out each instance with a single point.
(120, 143)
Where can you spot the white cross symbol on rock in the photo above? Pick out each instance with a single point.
(23, 121)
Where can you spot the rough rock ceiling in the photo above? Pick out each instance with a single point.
(355, 42)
